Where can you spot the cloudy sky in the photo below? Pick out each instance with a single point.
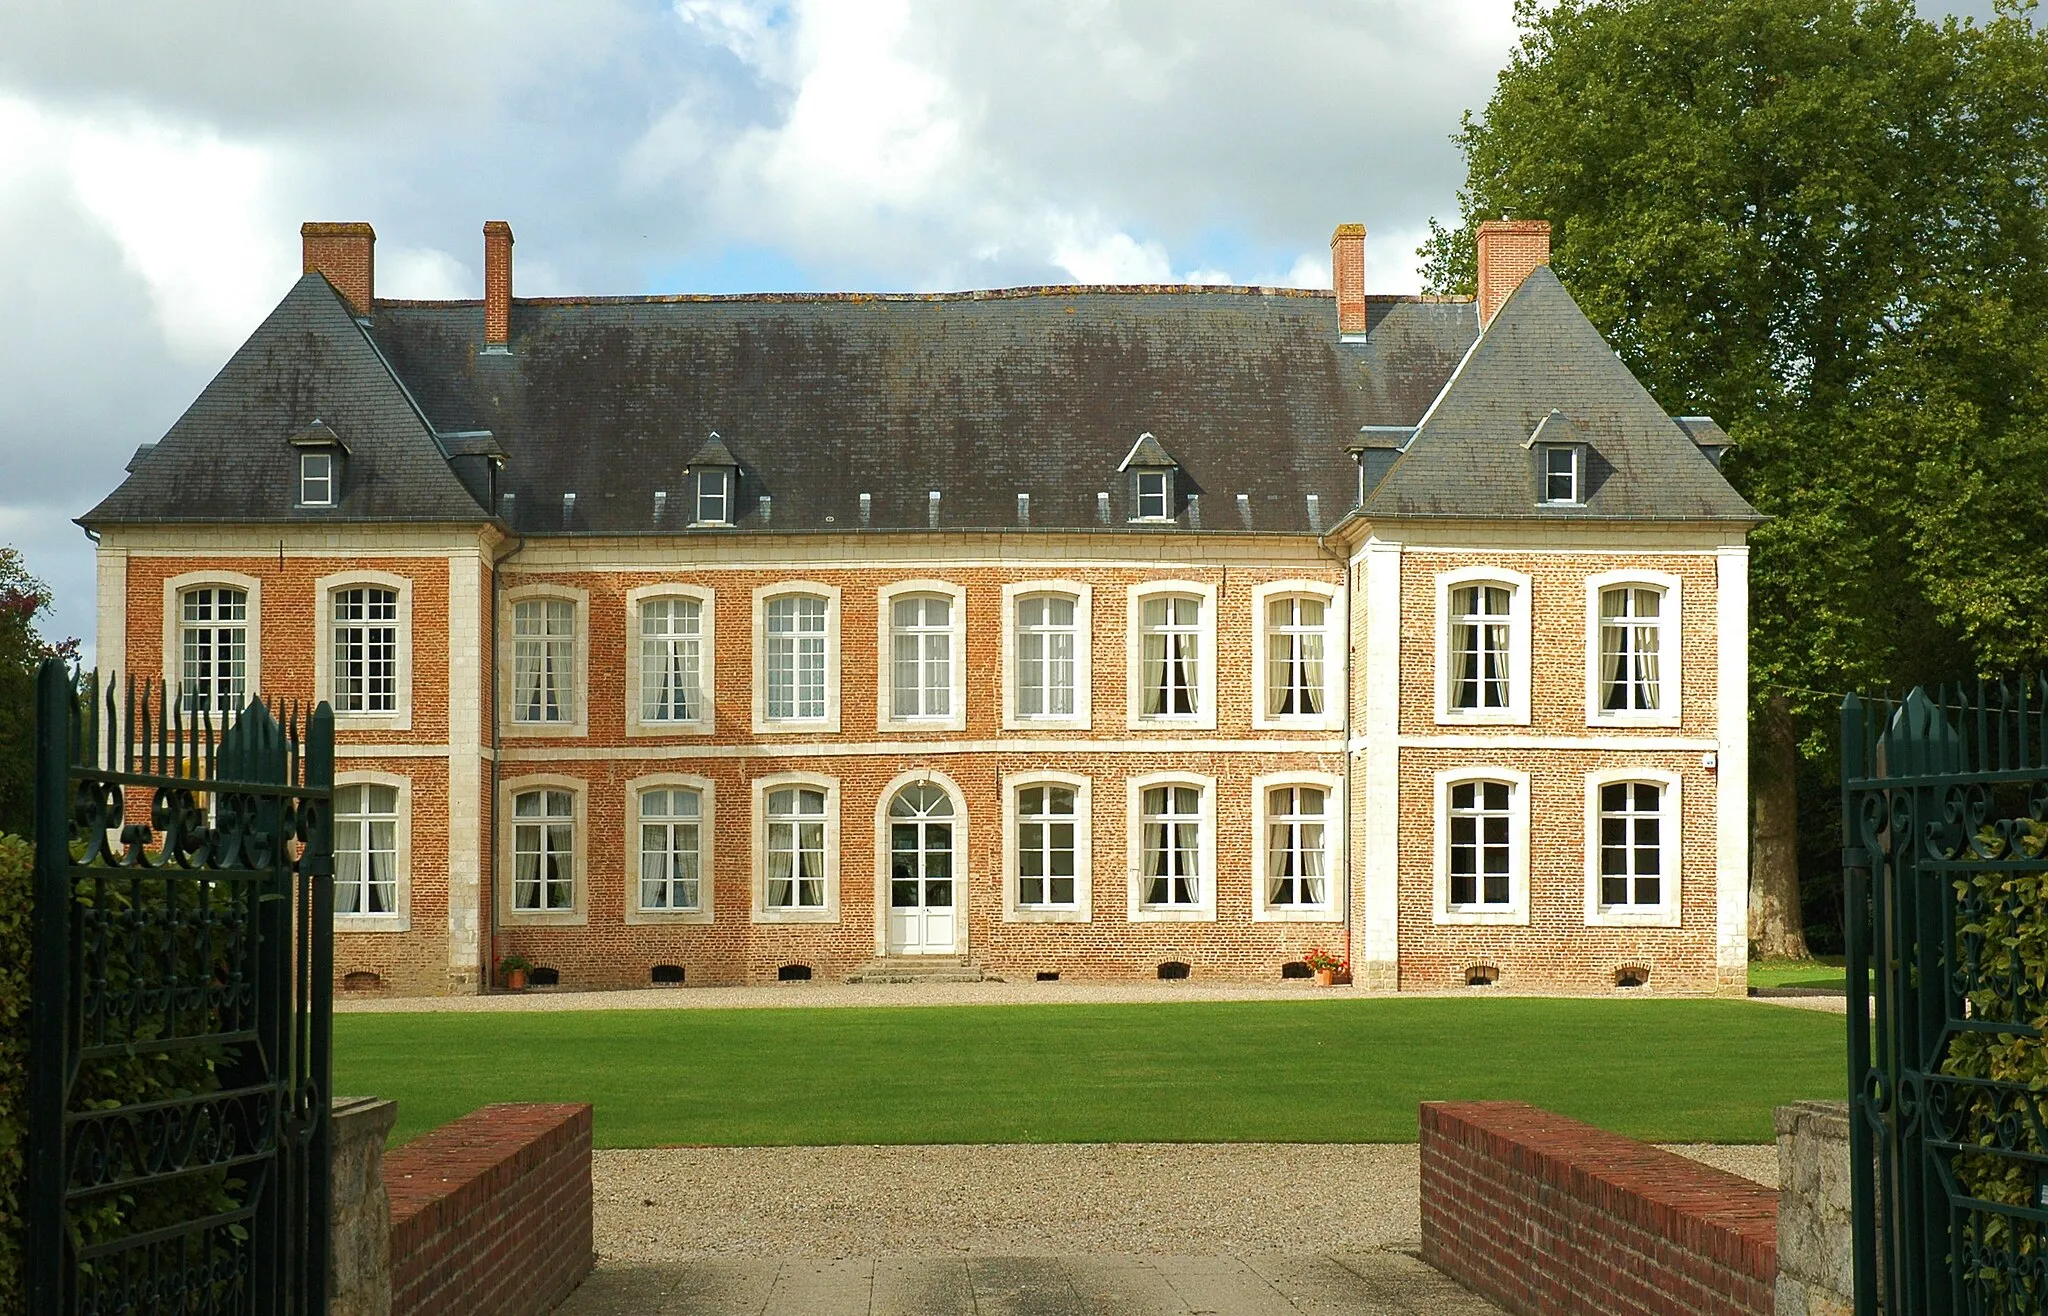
(157, 158)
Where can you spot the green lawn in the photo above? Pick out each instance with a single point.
(1820, 971)
(1292, 1071)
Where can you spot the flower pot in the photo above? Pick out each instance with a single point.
(1326, 977)
(515, 980)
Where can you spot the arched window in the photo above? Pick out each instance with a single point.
(213, 646)
(543, 851)
(795, 848)
(1047, 639)
(1297, 847)
(366, 849)
(1170, 858)
(671, 849)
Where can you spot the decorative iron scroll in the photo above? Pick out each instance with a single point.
(181, 1003)
(1945, 863)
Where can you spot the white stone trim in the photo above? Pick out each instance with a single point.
(1335, 819)
(824, 749)
(1204, 719)
(1084, 647)
(110, 623)
(579, 852)
(885, 656)
(1519, 648)
(707, 660)
(577, 724)
(1336, 649)
(400, 718)
(1083, 908)
(763, 724)
(174, 626)
(1204, 908)
(468, 626)
(1731, 781)
(1670, 650)
(1671, 848)
(400, 920)
(1380, 915)
(1517, 910)
(707, 834)
(760, 788)
(962, 879)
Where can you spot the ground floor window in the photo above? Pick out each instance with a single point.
(1297, 858)
(671, 849)
(1481, 849)
(1045, 847)
(1171, 859)
(366, 849)
(543, 851)
(1631, 845)
(796, 848)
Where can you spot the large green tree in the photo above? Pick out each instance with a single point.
(23, 600)
(1823, 223)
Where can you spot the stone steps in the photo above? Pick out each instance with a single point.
(919, 968)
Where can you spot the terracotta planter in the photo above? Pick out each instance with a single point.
(1326, 977)
(515, 980)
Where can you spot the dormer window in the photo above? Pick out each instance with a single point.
(316, 479)
(1155, 494)
(1561, 474)
(1151, 470)
(713, 493)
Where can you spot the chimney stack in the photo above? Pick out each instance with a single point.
(1509, 252)
(497, 285)
(1347, 274)
(346, 254)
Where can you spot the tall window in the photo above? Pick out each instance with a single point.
(1631, 844)
(921, 654)
(1045, 656)
(366, 849)
(1297, 874)
(543, 851)
(1045, 846)
(671, 660)
(796, 848)
(1481, 853)
(1171, 636)
(1561, 475)
(713, 496)
(1294, 656)
(670, 849)
(365, 650)
(796, 656)
(1154, 495)
(316, 479)
(214, 640)
(543, 653)
(1171, 860)
(1631, 635)
(1480, 624)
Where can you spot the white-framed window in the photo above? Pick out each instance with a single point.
(1562, 478)
(363, 649)
(671, 644)
(671, 831)
(1172, 847)
(796, 847)
(1633, 848)
(1172, 655)
(1482, 845)
(1298, 824)
(212, 639)
(316, 479)
(1047, 848)
(1297, 656)
(546, 635)
(711, 496)
(922, 675)
(796, 657)
(542, 830)
(1482, 646)
(372, 852)
(1047, 655)
(1152, 495)
(1633, 659)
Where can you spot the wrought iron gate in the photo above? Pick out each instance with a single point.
(182, 995)
(1945, 858)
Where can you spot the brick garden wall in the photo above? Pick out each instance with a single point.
(1540, 1213)
(492, 1213)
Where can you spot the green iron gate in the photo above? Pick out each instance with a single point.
(1945, 864)
(181, 1005)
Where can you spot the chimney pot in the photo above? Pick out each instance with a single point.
(1347, 274)
(346, 255)
(1509, 250)
(497, 285)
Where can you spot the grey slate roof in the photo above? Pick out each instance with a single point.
(1469, 457)
(1147, 451)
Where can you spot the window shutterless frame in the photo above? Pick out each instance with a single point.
(1171, 840)
(921, 671)
(213, 638)
(1483, 650)
(544, 638)
(1297, 834)
(1170, 655)
(1634, 654)
(373, 824)
(1048, 641)
(711, 496)
(671, 660)
(1299, 647)
(1047, 827)
(796, 657)
(543, 844)
(667, 832)
(796, 842)
(362, 649)
(1482, 836)
(316, 479)
(1634, 848)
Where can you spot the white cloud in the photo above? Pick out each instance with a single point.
(1112, 258)
(425, 273)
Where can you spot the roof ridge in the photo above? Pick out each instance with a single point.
(965, 295)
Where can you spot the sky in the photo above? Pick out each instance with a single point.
(156, 160)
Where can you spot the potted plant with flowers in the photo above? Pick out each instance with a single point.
(1326, 965)
(512, 972)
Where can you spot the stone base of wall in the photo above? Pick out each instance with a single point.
(359, 1265)
(1816, 1259)
(1543, 1214)
(492, 1213)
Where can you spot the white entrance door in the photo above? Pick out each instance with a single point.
(922, 916)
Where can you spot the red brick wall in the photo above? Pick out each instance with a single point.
(1540, 1213)
(492, 1212)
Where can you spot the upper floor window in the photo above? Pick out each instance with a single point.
(1154, 495)
(213, 640)
(316, 479)
(1561, 474)
(671, 660)
(795, 657)
(365, 672)
(1170, 636)
(1046, 642)
(543, 851)
(795, 848)
(1481, 659)
(1481, 848)
(921, 657)
(1631, 649)
(1294, 657)
(543, 658)
(366, 849)
(1297, 855)
(712, 494)
(671, 846)
(1046, 867)
(1170, 857)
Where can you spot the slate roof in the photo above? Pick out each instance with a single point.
(1470, 456)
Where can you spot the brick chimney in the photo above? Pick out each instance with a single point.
(346, 254)
(1347, 274)
(1509, 252)
(497, 285)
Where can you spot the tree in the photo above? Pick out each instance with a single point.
(1824, 223)
(23, 599)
